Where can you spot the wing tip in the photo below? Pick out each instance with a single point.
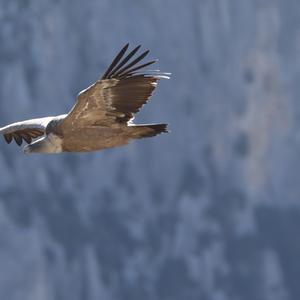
(8, 138)
(124, 67)
(125, 47)
(163, 76)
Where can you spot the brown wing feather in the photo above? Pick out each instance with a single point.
(118, 96)
(25, 134)
(130, 94)
(25, 130)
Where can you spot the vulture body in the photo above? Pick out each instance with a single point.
(102, 116)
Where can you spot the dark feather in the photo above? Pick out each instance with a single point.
(124, 61)
(8, 138)
(18, 139)
(143, 55)
(132, 71)
(130, 94)
(24, 134)
(26, 138)
(115, 61)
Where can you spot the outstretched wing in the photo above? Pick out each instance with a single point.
(121, 92)
(26, 130)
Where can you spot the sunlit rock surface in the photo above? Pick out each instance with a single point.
(210, 211)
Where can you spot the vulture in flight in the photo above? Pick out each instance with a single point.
(102, 115)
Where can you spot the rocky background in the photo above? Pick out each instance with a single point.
(210, 211)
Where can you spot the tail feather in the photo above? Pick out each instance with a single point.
(148, 130)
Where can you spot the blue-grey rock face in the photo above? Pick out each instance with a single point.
(210, 211)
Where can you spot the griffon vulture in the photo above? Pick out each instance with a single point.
(102, 115)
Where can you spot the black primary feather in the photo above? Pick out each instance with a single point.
(143, 55)
(132, 71)
(8, 138)
(115, 61)
(121, 68)
(18, 139)
(124, 61)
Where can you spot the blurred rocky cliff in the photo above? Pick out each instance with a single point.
(210, 211)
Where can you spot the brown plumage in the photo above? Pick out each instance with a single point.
(24, 134)
(102, 116)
